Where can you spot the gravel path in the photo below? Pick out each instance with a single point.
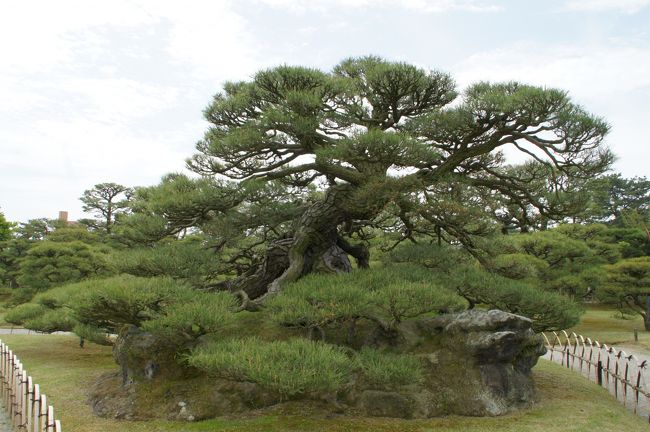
(22, 331)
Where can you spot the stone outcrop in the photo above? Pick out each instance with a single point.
(476, 363)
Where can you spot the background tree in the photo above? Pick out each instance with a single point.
(106, 201)
(5, 228)
(53, 263)
(612, 196)
(628, 283)
(12, 251)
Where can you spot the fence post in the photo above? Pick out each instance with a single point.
(636, 335)
(599, 374)
(568, 365)
(29, 411)
(36, 418)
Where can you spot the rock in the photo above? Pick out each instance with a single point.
(377, 403)
(142, 355)
(483, 361)
(475, 363)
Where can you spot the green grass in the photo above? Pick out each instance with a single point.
(568, 402)
(602, 323)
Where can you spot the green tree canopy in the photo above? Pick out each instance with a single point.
(628, 283)
(106, 201)
(54, 263)
(5, 228)
(380, 141)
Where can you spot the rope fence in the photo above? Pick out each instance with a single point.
(26, 407)
(624, 375)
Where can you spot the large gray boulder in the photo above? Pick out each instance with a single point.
(476, 363)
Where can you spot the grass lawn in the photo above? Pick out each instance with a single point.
(604, 324)
(568, 402)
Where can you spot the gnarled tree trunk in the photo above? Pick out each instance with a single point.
(315, 246)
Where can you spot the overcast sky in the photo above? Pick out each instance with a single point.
(98, 91)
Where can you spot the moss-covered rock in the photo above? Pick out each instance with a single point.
(472, 363)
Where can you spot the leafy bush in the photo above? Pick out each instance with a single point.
(51, 321)
(388, 370)
(24, 312)
(548, 310)
(51, 263)
(98, 307)
(518, 265)
(114, 302)
(193, 315)
(293, 367)
(187, 259)
(440, 258)
(388, 296)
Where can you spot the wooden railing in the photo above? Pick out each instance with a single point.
(624, 375)
(26, 407)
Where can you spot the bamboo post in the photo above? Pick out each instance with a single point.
(36, 418)
(43, 421)
(29, 412)
(50, 419)
(18, 415)
(26, 407)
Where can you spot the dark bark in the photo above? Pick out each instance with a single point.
(314, 246)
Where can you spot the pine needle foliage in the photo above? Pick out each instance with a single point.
(293, 367)
(389, 370)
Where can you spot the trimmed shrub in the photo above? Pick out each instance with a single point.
(388, 295)
(187, 259)
(52, 320)
(319, 300)
(403, 300)
(49, 264)
(441, 258)
(548, 310)
(24, 312)
(198, 314)
(388, 370)
(518, 266)
(114, 302)
(291, 368)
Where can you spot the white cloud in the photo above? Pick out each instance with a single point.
(101, 91)
(589, 72)
(611, 81)
(208, 35)
(118, 99)
(39, 35)
(627, 6)
(427, 6)
(53, 162)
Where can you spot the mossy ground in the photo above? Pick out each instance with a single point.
(65, 372)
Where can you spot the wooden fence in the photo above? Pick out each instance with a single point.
(624, 375)
(26, 407)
